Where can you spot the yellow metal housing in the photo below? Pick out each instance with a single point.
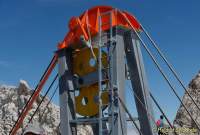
(87, 100)
(85, 63)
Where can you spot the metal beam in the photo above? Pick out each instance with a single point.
(139, 81)
(88, 79)
(66, 85)
(117, 65)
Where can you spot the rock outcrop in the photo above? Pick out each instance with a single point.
(12, 101)
(182, 119)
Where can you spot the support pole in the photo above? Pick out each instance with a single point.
(139, 82)
(117, 65)
(100, 78)
(65, 87)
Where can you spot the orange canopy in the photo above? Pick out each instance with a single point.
(88, 22)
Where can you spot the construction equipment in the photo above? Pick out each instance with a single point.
(98, 54)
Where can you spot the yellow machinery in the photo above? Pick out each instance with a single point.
(86, 103)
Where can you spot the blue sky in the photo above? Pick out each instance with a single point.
(31, 29)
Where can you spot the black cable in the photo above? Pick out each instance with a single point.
(170, 66)
(156, 103)
(161, 71)
(140, 66)
(144, 107)
(116, 116)
(32, 94)
(42, 100)
(49, 101)
(121, 122)
(165, 77)
(129, 114)
(154, 100)
(44, 97)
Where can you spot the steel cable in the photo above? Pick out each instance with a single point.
(161, 71)
(44, 97)
(32, 94)
(156, 103)
(169, 83)
(169, 65)
(49, 101)
(160, 109)
(129, 114)
(122, 129)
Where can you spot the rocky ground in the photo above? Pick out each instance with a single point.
(182, 118)
(13, 99)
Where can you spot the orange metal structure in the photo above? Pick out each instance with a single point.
(78, 26)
